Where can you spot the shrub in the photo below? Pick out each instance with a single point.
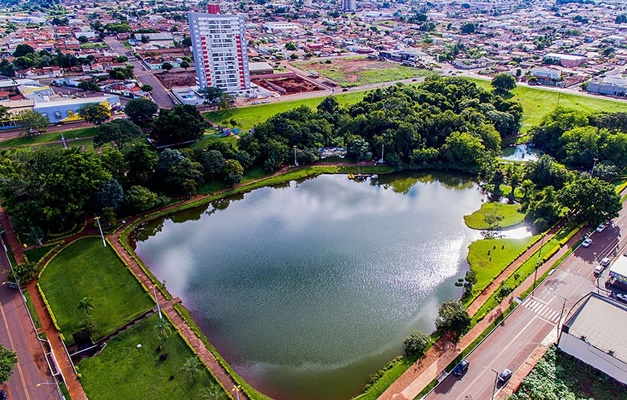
(416, 343)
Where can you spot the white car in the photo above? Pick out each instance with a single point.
(599, 270)
(605, 262)
(586, 242)
(600, 228)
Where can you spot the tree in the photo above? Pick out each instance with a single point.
(22, 50)
(591, 200)
(416, 343)
(86, 304)
(95, 113)
(4, 113)
(142, 160)
(146, 88)
(468, 27)
(503, 83)
(87, 326)
(224, 102)
(213, 163)
(31, 122)
(179, 124)
(233, 172)
(140, 111)
(23, 273)
(452, 317)
(290, 46)
(120, 131)
(167, 66)
(493, 219)
(184, 64)
(139, 199)
(8, 359)
(110, 194)
(211, 94)
(83, 39)
(192, 367)
(212, 392)
(163, 329)
(464, 148)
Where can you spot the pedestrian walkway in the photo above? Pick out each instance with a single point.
(542, 309)
(409, 385)
(190, 336)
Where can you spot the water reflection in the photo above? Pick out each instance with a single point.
(309, 288)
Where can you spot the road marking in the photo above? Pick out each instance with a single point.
(19, 368)
(541, 309)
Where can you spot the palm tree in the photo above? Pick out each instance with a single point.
(212, 392)
(164, 330)
(86, 304)
(192, 367)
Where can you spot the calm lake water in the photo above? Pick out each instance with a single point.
(308, 288)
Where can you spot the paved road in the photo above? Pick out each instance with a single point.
(160, 94)
(18, 333)
(535, 320)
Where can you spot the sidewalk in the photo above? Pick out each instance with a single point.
(63, 362)
(199, 347)
(431, 365)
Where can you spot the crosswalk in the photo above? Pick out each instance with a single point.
(542, 309)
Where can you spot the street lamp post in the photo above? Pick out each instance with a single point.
(104, 243)
(236, 389)
(535, 274)
(593, 165)
(295, 161)
(154, 291)
(496, 381)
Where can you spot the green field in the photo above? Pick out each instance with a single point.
(558, 375)
(247, 117)
(489, 257)
(538, 102)
(123, 371)
(510, 212)
(358, 71)
(87, 269)
(70, 135)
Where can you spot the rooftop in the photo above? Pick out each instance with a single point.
(590, 321)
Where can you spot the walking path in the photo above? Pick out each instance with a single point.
(433, 363)
(58, 350)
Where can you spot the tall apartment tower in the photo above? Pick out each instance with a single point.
(219, 46)
(349, 5)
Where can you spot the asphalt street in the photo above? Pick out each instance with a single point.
(536, 319)
(160, 94)
(31, 379)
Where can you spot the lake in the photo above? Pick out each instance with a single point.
(309, 287)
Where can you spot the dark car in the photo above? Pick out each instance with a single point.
(505, 375)
(3, 396)
(461, 368)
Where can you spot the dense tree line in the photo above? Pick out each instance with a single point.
(51, 189)
(442, 121)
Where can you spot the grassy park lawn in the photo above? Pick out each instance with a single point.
(488, 257)
(561, 376)
(87, 269)
(123, 371)
(538, 102)
(71, 135)
(247, 117)
(510, 212)
(358, 71)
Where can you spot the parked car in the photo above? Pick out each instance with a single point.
(505, 375)
(461, 367)
(622, 297)
(605, 262)
(599, 270)
(600, 228)
(586, 243)
(3, 396)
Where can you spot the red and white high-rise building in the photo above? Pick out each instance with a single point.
(219, 46)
